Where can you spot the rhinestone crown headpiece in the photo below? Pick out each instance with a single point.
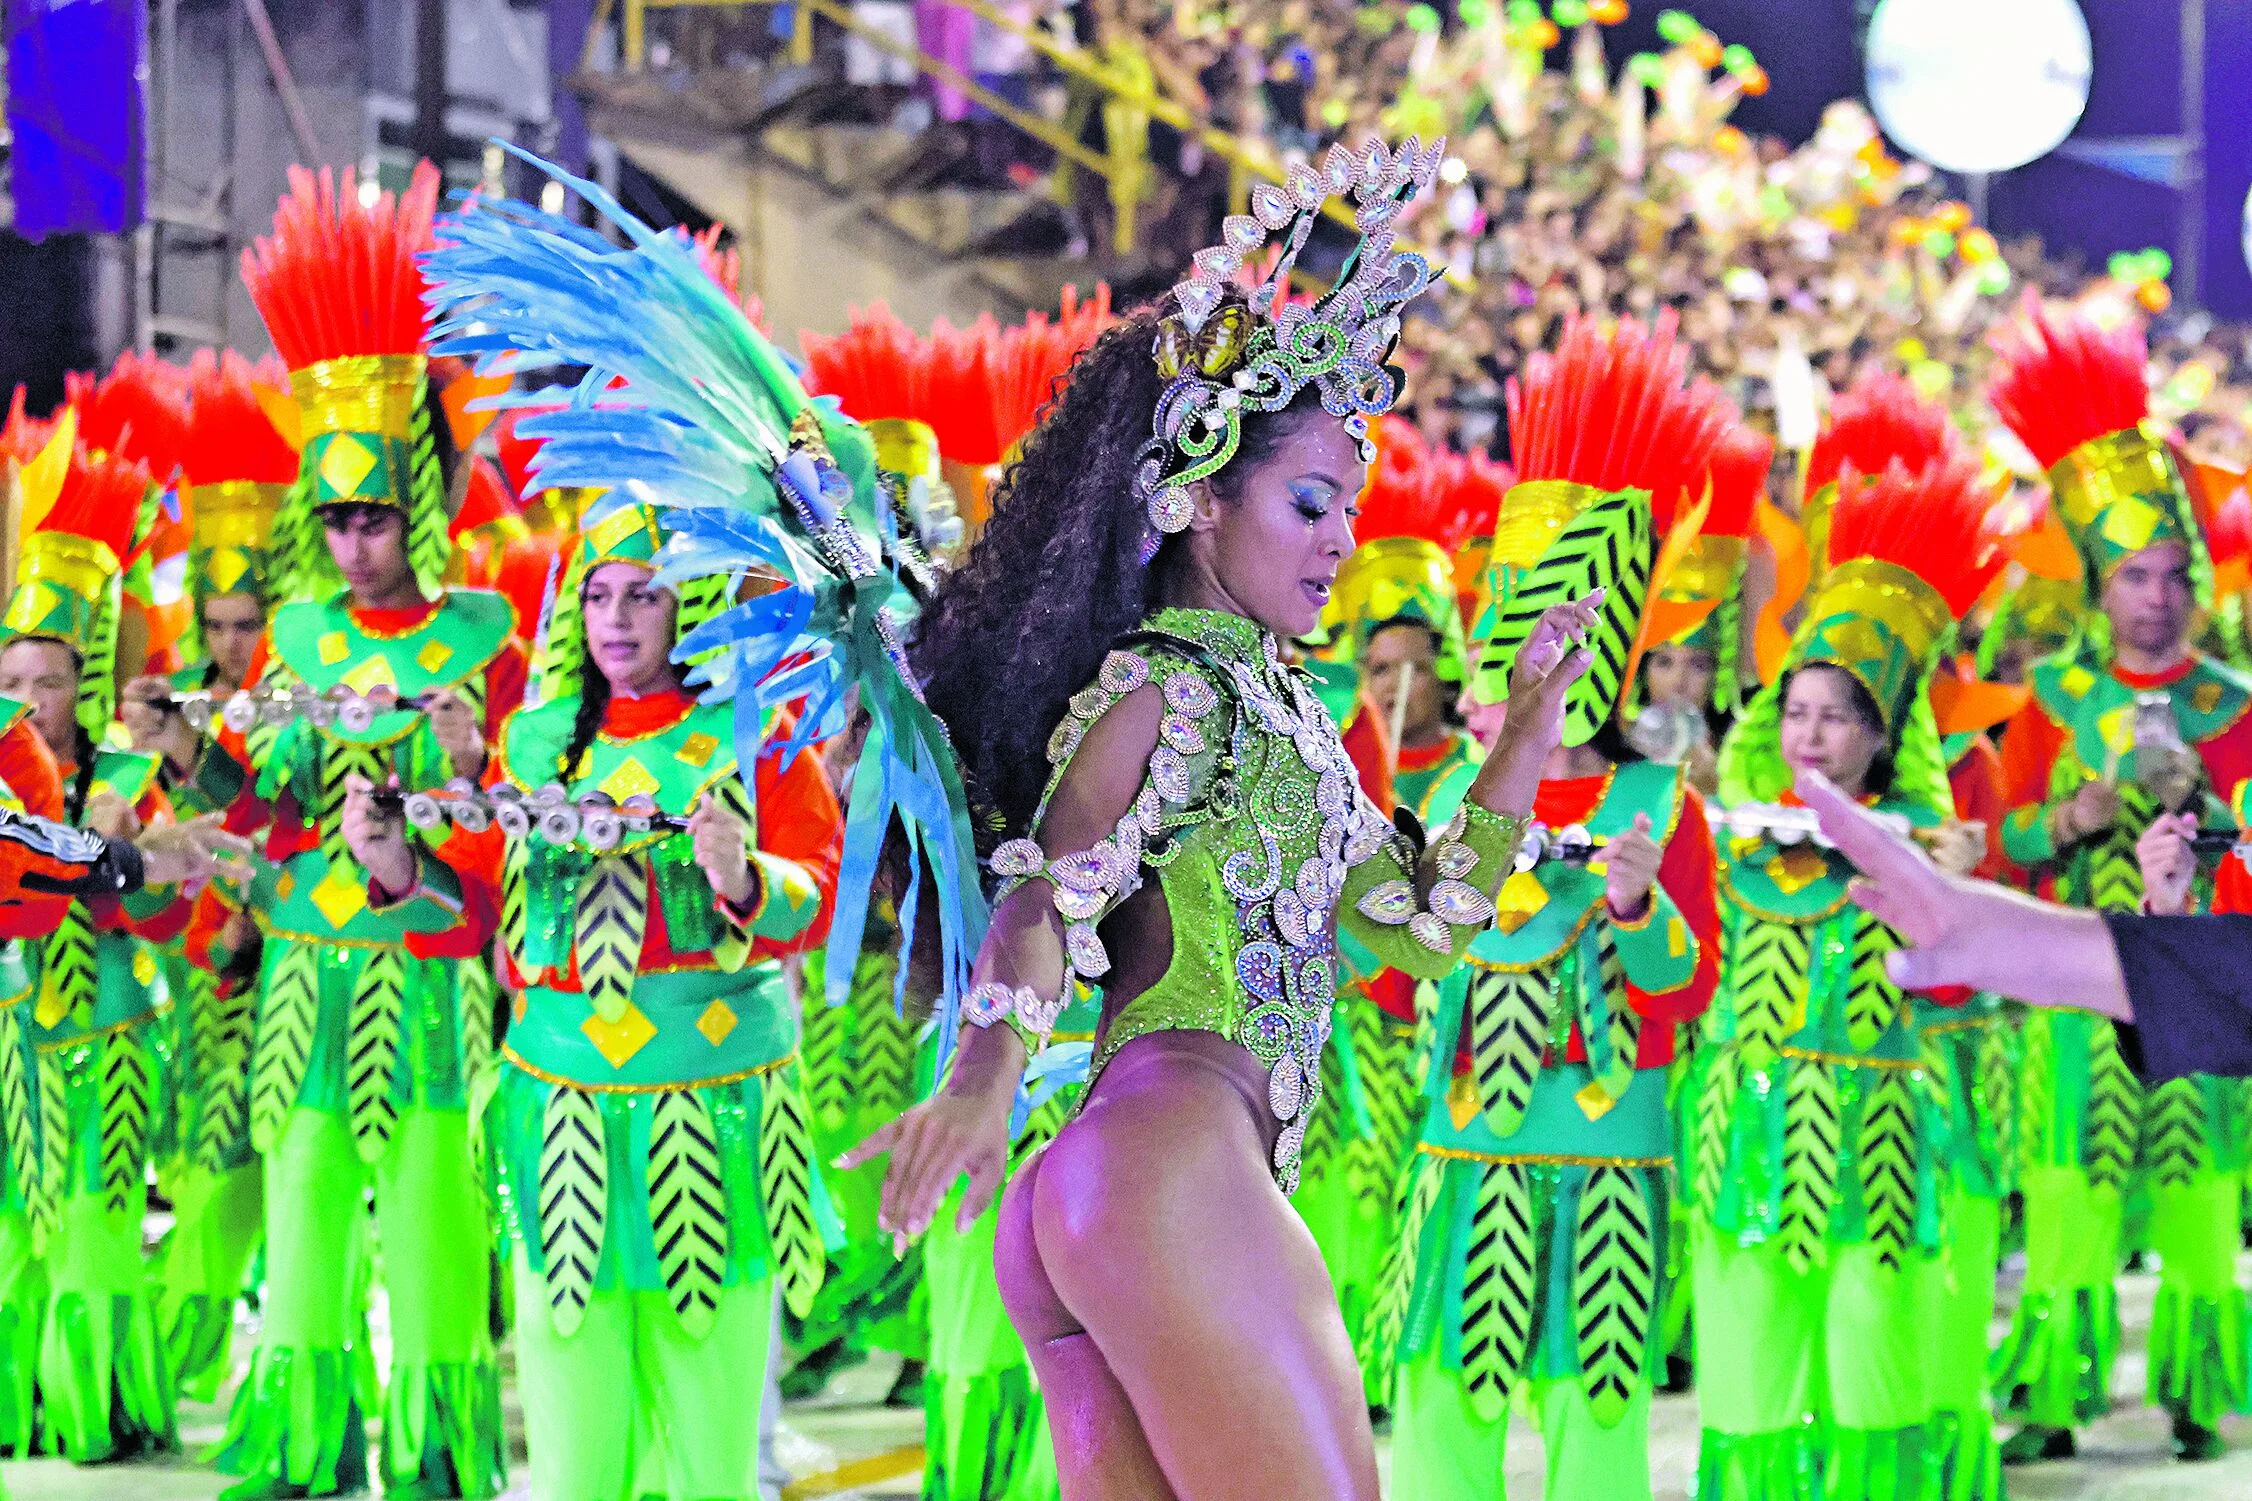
(1224, 359)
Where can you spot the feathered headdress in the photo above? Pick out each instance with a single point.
(710, 423)
(1912, 553)
(79, 510)
(341, 292)
(1879, 418)
(138, 411)
(237, 468)
(1612, 445)
(1421, 504)
(1697, 597)
(2077, 398)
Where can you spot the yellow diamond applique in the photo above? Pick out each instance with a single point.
(434, 655)
(334, 648)
(284, 884)
(339, 898)
(697, 749)
(371, 674)
(516, 1013)
(223, 569)
(51, 1008)
(716, 1022)
(629, 778)
(344, 464)
(2205, 697)
(1462, 1101)
(1677, 938)
(144, 967)
(2117, 729)
(2131, 523)
(1795, 869)
(1521, 896)
(619, 1040)
(1594, 1101)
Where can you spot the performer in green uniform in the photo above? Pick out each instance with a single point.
(651, 1123)
(1535, 1211)
(374, 1055)
(1814, 1159)
(236, 470)
(92, 1024)
(2127, 722)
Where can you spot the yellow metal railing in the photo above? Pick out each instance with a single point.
(1124, 167)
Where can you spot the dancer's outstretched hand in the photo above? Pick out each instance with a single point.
(962, 1129)
(1549, 662)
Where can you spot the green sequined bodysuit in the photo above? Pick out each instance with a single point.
(1252, 817)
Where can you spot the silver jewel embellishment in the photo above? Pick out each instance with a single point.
(1461, 904)
(1432, 932)
(1454, 860)
(1388, 902)
(1018, 857)
(1122, 673)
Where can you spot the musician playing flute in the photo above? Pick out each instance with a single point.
(374, 1035)
(650, 1122)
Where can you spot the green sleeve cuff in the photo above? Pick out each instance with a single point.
(436, 897)
(1427, 937)
(788, 899)
(2025, 835)
(147, 902)
(1658, 951)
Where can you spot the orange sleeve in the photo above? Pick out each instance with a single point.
(1976, 781)
(30, 770)
(1689, 872)
(799, 821)
(505, 679)
(2030, 742)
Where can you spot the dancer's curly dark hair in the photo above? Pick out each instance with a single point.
(1057, 576)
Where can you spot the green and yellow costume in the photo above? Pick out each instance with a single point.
(92, 1024)
(1357, 1143)
(1535, 1211)
(651, 1122)
(373, 1053)
(208, 1168)
(2090, 1137)
(1818, 1141)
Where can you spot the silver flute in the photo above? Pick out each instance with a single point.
(247, 708)
(550, 814)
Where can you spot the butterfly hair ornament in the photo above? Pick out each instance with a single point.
(1222, 359)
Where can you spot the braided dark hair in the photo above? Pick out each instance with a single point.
(1056, 577)
(594, 702)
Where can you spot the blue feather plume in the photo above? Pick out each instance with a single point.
(681, 403)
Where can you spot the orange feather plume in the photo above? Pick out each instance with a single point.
(1616, 412)
(2064, 381)
(1029, 360)
(100, 496)
(1416, 489)
(1738, 475)
(1930, 521)
(231, 435)
(338, 277)
(139, 410)
(1877, 419)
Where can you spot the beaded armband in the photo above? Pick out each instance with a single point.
(1453, 902)
(1087, 884)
